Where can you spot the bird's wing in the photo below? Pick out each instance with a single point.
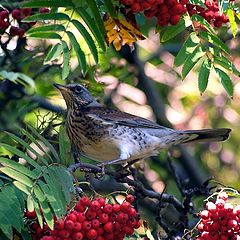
(110, 116)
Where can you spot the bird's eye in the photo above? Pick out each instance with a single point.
(78, 89)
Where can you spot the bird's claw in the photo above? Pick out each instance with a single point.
(102, 166)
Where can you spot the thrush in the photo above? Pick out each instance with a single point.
(113, 137)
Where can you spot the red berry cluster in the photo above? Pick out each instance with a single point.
(220, 220)
(170, 11)
(210, 13)
(11, 21)
(93, 220)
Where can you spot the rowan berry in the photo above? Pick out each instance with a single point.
(90, 214)
(30, 215)
(95, 223)
(44, 10)
(26, 11)
(77, 226)
(129, 198)
(136, 7)
(4, 14)
(86, 225)
(127, 2)
(92, 234)
(116, 208)
(107, 208)
(122, 218)
(69, 225)
(95, 205)
(125, 206)
(77, 236)
(108, 227)
(103, 218)
(81, 217)
(72, 216)
(85, 201)
(174, 20)
(16, 14)
(101, 201)
(63, 233)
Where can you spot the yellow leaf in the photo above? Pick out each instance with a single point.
(110, 26)
(117, 44)
(121, 32)
(111, 39)
(130, 28)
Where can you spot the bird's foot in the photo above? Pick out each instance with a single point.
(76, 157)
(102, 166)
(129, 164)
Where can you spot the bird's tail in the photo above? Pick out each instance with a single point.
(206, 135)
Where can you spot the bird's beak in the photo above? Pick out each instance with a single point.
(61, 88)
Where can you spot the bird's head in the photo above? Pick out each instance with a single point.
(76, 96)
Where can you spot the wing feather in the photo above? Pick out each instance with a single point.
(111, 116)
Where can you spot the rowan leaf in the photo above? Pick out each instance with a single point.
(203, 75)
(191, 60)
(225, 80)
(188, 47)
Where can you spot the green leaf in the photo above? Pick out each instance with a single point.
(96, 14)
(47, 3)
(204, 22)
(87, 38)
(54, 52)
(64, 147)
(192, 60)
(28, 147)
(22, 187)
(232, 21)
(17, 176)
(38, 212)
(197, 2)
(20, 154)
(44, 206)
(45, 35)
(25, 234)
(51, 199)
(80, 54)
(35, 139)
(110, 8)
(5, 226)
(188, 47)
(227, 64)
(30, 203)
(92, 25)
(66, 182)
(54, 185)
(17, 77)
(47, 16)
(226, 81)
(47, 28)
(46, 143)
(172, 31)
(204, 75)
(214, 40)
(26, 80)
(66, 60)
(18, 167)
(11, 76)
(11, 206)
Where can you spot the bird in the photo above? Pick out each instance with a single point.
(110, 136)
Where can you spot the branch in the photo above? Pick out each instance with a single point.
(137, 185)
